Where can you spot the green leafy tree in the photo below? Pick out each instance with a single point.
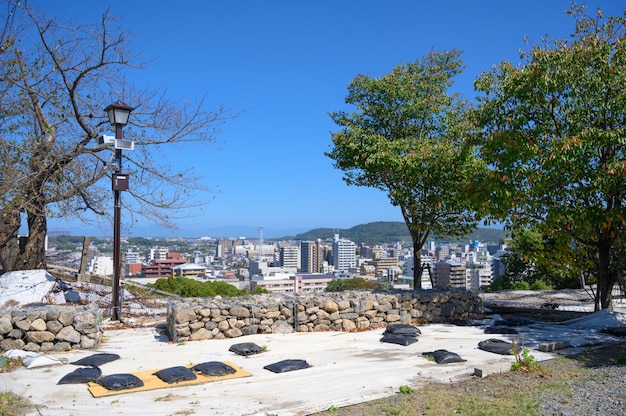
(527, 265)
(553, 134)
(407, 138)
(55, 80)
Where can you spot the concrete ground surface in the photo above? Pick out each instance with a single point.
(346, 368)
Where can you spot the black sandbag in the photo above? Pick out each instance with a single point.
(444, 356)
(81, 375)
(245, 349)
(213, 368)
(500, 330)
(398, 339)
(176, 374)
(97, 360)
(402, 329)
(287, 365)
(120, 382)
(497, 346)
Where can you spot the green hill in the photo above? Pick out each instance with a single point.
(391, 232)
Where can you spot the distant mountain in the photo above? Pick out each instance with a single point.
(391, 232)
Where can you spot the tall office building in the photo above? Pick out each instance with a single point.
(344, 254)
(311, 256)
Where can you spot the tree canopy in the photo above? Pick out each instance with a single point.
(408, 138)
(552, 131)
(55, 80)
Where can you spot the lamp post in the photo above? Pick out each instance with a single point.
(118, 116)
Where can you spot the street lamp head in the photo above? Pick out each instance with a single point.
(118, 113)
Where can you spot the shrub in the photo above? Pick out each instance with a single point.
(355, 283)
(191, 288)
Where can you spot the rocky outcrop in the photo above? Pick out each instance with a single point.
(50, 328)
(209, 318)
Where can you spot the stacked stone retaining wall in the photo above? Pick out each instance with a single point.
(209, 318)
(50, 328)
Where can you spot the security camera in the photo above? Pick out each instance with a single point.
(104, 139)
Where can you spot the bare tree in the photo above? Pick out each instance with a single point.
(55, 80)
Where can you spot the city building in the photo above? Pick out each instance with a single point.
(162, 267)
(449, 273)
(290, 257)
(312, 256)
(190, 271)
(344, 254)
(101, 265)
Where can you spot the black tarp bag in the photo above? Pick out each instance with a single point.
(120, 382)
(81, 375)
(213, 368)
(176, 374)
(287, 365)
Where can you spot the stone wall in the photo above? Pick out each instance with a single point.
(46, 328)
(208, 318)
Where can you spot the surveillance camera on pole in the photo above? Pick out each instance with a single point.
(106, 139)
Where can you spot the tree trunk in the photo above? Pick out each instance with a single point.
(606, 280)
(417, 264)
(23, 254)
(9, 243)
(34, 255)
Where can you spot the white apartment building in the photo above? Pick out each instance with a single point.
(290, 257)
(132, 257)
(101, 265)
(479, 271)
(344, 254)
(157, 253)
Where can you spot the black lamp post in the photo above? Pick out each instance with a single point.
(118, 116)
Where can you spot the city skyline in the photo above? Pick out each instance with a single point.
(285, 65)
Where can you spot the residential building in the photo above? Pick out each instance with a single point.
(290, 257)
(344, 254)
(449, 273)
(157, 253)
(101, 265)
(299, 283)
(311, 256)
(190, 271)
(383, 264)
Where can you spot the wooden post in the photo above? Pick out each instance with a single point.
(83, 260)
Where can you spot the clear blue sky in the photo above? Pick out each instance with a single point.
(286, 64)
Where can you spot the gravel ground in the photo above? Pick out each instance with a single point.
(600, 389)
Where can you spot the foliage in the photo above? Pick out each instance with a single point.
(407, 138)
(259, 291)
(13, 404)
(355, 283)
(191, 288)
(404, 389)
(55, 80)
(553, 134)
(524, 360)
(527, 268)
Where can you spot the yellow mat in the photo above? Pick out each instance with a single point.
(152, 382)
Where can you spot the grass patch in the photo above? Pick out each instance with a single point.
(12, 404)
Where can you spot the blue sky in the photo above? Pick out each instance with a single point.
(286, 64)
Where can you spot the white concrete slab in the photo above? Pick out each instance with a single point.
(346, 368)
